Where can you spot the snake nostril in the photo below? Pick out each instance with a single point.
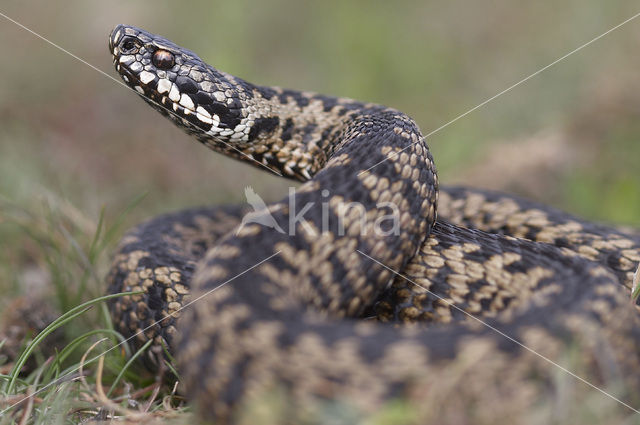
(128, 45)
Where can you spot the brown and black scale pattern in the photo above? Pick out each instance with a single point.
(540, 276)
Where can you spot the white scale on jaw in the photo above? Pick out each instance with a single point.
(127, 58)
(174, 93)
(239, 133)
(164, 85)
(204, 116)
(186, 101)
(145, 76)
(135, 67)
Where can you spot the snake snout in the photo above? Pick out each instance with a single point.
(115, 36)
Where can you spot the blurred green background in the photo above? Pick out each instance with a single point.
(73, 138)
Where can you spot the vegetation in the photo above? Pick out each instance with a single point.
(78, 151)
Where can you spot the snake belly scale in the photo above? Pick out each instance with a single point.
(285, 310)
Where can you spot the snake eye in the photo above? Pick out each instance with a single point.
(163, 59)
(128, 45)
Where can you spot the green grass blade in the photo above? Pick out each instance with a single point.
(60, 321)
(69, 348)
(93, 252)
(127, 365)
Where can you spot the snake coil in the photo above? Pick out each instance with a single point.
(281, 307)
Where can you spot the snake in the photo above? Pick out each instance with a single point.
(370, 282)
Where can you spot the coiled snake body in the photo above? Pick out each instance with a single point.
(282, 308)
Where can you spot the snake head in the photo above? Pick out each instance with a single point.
(181, 86)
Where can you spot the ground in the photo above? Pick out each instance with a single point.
(82, 159)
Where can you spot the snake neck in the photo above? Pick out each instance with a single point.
(290, 132)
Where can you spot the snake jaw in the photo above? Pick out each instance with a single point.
(178, 84)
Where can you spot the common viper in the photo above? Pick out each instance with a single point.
(503, 283)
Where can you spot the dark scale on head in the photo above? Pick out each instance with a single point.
(203, 98)
(186, 85)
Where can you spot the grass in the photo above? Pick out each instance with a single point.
(80, 365)
(72, 142)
